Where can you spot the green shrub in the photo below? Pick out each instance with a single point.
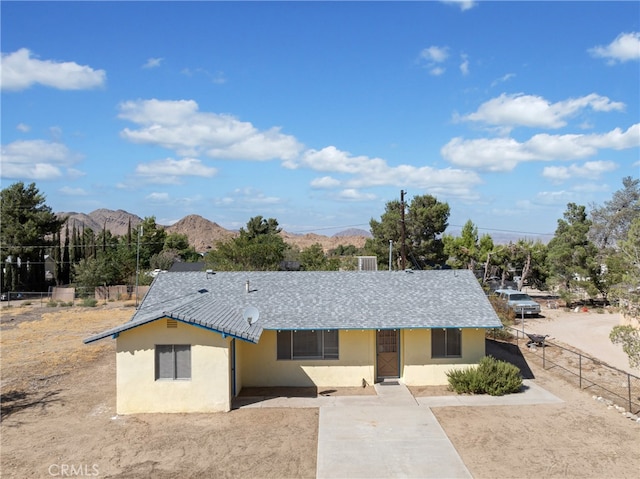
(52, 304)
(90, 302)
(465, 381)
(492, 376)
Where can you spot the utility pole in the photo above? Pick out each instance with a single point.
(403, 255)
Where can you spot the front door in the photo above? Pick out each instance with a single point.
(387, 346)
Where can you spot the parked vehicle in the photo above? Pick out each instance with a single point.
(521, 303)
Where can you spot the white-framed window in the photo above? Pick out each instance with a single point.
(173, 361)
(446, 343)
(308, 344)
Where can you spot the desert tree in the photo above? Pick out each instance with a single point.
(314, 258)
(27, 235)
(425, 219)
(258, 247)
(463, 251)
(571, 257)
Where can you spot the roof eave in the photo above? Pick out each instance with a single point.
(114, 332)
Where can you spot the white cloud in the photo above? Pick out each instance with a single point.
(179, 126)
(554, 198)
(365, 172)
(36, 160)
(434, 57)
(352, 194)
(20, 71)
(625, 47)
(153, 63)
(463, 4)
(325, 182)
(56, 133)
(535, 111)
(464, 66)
(219, 77)
(504, 154)
(68, 191)
(73, 173)
(503, 79)
(591, 169)
(434, 54)
(252, 196)
(23, 128)
(170, 171)
(158, 197)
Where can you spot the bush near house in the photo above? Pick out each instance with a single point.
(492, 376)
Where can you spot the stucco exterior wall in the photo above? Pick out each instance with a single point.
(420, 369)
(138, 391)
(356, 362)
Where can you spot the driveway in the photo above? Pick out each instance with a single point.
(586, 331)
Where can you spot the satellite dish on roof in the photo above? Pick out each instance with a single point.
(251, 314)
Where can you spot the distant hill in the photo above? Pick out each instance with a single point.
(353, 232)
(117, 222)
(202, 233)
(327, 242)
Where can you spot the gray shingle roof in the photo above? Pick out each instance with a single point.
(317, 300)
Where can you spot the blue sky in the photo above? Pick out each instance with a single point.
(318, 113)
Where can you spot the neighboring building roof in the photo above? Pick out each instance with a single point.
(316, 300)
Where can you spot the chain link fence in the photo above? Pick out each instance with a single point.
(585, 372)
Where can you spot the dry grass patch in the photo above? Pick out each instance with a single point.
(38, 345)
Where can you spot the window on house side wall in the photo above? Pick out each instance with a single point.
(446, 343)
(308, 344)
(173, 361)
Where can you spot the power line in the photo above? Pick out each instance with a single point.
(328, 228)
(508, 231)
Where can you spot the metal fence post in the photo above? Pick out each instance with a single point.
(580, 368)
(629, 390)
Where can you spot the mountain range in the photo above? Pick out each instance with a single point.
(202, 233)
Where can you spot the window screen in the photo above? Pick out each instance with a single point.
(445, 343)
(173, 361)
(308, 344)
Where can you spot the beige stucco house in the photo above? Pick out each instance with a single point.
(198, 338)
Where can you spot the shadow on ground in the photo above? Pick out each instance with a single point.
(15, 401)
(510, 353)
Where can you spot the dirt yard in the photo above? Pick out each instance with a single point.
(58, 419)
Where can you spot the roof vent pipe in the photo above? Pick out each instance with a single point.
(247, 286)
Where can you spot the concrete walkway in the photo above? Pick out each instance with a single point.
(391, 434)
(392, 438)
